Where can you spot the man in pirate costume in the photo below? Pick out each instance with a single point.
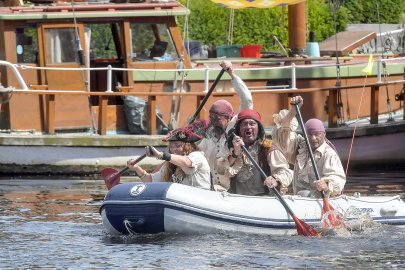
(332, 176)
(246, 179)
(184, 162)
(222, 118)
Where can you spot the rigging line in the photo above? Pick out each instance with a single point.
(390, 118)
(185, 33)
(230, 26)
(173, 121)
(379, 28)
(82, 63)
(355, 125)
(347, 104)
(335, 6)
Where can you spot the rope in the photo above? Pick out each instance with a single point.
(335, 5)
(179, 72)
(355, 125)
(230, 26)
(390, 118)
(81, 60)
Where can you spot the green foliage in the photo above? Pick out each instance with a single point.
(322, 19)
(365, 11)
(208, 23)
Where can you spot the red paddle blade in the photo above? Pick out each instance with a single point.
(111, 177)
(304, 228)
(330, 217)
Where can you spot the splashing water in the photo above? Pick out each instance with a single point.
(356, 220)
(351, 221)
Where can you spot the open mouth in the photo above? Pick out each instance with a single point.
(248, 134)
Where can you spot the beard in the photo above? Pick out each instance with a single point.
(216, 128)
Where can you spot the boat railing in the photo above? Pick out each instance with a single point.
(206, 70)
(152, 96)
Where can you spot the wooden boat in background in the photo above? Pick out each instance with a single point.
(68, 66)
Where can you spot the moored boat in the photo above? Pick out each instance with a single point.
(77, 64)
(169, 207)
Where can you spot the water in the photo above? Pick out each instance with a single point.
(48, 224)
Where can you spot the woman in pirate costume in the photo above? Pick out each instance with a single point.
(184, 162)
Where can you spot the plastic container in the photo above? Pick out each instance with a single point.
(232, 51)
(250, 51)
(313, 49)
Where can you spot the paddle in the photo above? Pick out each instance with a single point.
(334, 221)
(302, 227)
(197, 112)
(111, 176)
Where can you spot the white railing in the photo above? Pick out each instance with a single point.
(16, 73)
(206, 71)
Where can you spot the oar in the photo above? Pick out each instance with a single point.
(302, 227)
(326, 206)
(197, 112)
(111, 176)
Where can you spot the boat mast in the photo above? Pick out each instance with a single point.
(297, 28)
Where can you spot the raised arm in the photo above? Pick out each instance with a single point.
(245, 97)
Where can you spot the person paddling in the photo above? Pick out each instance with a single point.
(332, 176)
(246, 178)
(184, 162)
(223, 118)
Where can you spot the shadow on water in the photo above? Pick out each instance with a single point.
(376, 182)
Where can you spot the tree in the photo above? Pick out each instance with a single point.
(366, 11)
(208, 23)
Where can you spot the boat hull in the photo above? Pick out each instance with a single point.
(373, 145)
(168, 207)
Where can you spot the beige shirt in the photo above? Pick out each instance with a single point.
(198, 175)
(215, 148)
(327, 161)
(248, 180)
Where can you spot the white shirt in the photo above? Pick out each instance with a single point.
(216, 148)
(198, 175)
(327, 161)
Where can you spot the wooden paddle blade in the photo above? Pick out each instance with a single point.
(333, 218)
(111, 177)
(304, 228)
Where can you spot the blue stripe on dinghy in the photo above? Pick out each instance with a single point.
(149, 205)
(213, 215)
(238, 219)
(258, 221)
(390, 220)
(119, 210)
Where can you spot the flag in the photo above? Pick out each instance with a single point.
(369, 68)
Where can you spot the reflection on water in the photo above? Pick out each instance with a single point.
(48, 224)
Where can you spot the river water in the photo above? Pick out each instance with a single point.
(55, 224)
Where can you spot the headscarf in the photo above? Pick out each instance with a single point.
(249, 114)
(314, 125)
(222, 107)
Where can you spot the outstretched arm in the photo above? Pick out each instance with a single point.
(245, 97)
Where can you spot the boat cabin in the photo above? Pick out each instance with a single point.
(86, 35)
(101, 66)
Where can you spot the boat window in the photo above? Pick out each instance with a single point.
(60, 46)
(152, 42)
(26, 44)
(103, 45)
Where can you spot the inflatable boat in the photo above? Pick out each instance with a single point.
(132, 208)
